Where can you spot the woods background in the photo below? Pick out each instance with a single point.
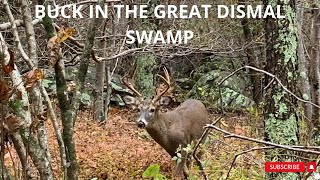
(259, 78)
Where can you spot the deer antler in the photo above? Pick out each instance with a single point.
(166, 79)
(129, 85)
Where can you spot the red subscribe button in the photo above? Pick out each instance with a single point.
(284, 167)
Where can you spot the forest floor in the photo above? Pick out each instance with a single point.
(121, 150)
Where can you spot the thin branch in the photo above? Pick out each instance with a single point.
(89, 2)
(291, 148)
(120, 48)
(16, 34)
(194, 152)
(123, 53)
(18, 23)
(244, 152)
(274, 77)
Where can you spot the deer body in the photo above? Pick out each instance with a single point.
(180, 126)
(171, 129)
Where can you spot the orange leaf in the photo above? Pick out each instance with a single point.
(64, 34)
(32, 77)
(39, 74)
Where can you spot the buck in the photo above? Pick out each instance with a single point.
(172, 129)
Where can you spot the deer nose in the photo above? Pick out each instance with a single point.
(141, 124)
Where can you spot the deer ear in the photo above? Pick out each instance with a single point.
(129, 100)
(164, 101)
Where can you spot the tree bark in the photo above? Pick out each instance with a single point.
(67, 114)
(252, 60)
(84, 63)
(21, 150)
(37, 154)
(315, 64)
(304, 82)
(99, 95)
(281, 122)
(146, 61)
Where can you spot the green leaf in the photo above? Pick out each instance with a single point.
(47, 83)
(159, 177)
(85, 98)
(151, 171)
(118, 88)
(306, 97)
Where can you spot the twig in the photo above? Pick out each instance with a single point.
(194, 152)
(16, 34)
(77, 43)
(129, 51)
(291, 148)
(121, 47)
(271, 75)
(18, 23)
(244, 152)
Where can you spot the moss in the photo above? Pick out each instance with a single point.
(144, 76)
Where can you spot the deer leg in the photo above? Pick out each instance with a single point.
(182, 168)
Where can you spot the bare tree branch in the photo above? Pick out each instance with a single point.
(271, 75)
(306, 149)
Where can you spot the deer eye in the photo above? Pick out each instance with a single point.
(152, 110)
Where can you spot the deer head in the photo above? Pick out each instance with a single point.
(148, 108)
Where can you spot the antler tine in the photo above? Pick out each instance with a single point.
(129, 85)
(166, 79)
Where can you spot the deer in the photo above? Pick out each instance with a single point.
(172, 129)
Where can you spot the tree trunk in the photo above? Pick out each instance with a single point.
(314, 66)
(21, 150)
(84, 63)
(99, 95)
(67, 115)
(281, 122)
(252, 60)
(305, 87)
(37, 155)
(146, 61)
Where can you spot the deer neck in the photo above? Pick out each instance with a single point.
(158, 128)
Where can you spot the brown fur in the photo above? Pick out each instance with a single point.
(179, 127)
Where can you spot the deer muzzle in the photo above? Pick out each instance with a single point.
(141, 124)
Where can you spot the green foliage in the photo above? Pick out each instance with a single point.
(282, 131)
(16, 106)
(153, 171)
(116, 87)
(177, 158)
(144, 75)
(85, 99)
(189, 148)
(232, 90)
(49, 84)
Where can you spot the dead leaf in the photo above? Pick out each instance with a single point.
(6, 92)
(224, 123)
(32, 77)
(64, 34)
(12, 123)
(7, 69)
